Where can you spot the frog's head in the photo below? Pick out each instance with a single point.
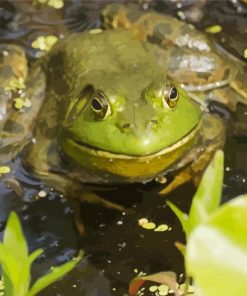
(126, 117)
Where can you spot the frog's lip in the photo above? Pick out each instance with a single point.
(106, 154)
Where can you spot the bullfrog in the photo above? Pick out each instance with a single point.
(115, 105)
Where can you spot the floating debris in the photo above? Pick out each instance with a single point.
(214, 29)
(44, 43)
(42, 193)
(4, 169)
(15, 185)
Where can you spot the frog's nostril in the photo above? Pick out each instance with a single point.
(153, 123)
(126, 125)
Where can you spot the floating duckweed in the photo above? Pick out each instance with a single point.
(214, 29)
(182, 289)
(51, 40)
(149, 225)
(245, 53)
(5, 169)
(161, 228)
(44, 43)
(57, 4)
(95, 31)
(163, 289)
(39, 43)
(181, 15)
(153, 288)
(15, 84)
(20, 103)
(163, 293)
(142, 221)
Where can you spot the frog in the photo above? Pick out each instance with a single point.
(102, 108)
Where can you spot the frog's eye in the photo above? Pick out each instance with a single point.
(171, 97)
(100, 105)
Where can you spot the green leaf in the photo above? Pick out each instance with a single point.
(208, 194)
(14, 239)
(34, 255)
(216, 255)
(11, 268)
(16, 269)
(182, 217)
(53, 275)
(181, 247)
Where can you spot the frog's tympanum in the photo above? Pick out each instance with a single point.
(122, 104)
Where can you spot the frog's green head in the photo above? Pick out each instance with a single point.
(124, 111)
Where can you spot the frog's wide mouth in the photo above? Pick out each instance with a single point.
(91, 150)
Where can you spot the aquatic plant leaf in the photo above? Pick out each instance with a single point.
(216, 255)
(34, 255)
(14, 239)
(53, 275)
(208, 195)
(14, 258)
(181, 247)
(135, 285)
(9, 266)
(168, 278)
(182, 217)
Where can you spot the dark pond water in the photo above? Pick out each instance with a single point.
(115, 245)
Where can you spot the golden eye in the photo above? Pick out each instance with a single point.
(100, 105)
(171, 97)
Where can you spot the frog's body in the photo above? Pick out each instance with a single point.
(132, 141)
(109, 105)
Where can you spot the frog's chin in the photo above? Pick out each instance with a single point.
(86, 149)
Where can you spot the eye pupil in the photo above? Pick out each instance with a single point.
(97, 106)
(173, 93)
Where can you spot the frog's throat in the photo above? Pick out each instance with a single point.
(105, 154)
